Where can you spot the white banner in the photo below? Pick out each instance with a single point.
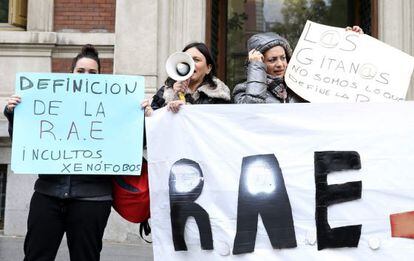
(330, 64)
(209, 149)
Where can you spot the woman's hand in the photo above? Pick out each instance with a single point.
(355, 29)
(174, 106)
(255, 56)
(12, 102)
(146, 106)
(181, 87)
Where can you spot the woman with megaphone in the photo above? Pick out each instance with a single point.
(191, 81)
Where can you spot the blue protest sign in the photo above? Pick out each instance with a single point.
(78, 124)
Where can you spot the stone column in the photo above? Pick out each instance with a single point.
(180, 23)
(19, 52)
(40, 15)
(136, 40)
(396, 28)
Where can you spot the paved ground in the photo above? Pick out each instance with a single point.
(11, 249)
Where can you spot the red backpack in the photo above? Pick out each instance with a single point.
(131, 198)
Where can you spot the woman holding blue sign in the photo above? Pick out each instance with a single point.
(268, 58)
(78, 205)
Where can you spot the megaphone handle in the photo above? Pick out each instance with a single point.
(181, 96)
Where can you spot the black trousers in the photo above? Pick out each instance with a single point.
(49, 218)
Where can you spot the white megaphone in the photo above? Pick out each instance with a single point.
(179, 66)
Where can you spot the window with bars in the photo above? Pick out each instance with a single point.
(3, 177)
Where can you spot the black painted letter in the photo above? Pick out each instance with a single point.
(186, 183)
(262, 191)
(326, 195)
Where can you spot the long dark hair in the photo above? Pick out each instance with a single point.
(203, 49)
(88, 51)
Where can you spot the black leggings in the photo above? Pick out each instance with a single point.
(50, 217)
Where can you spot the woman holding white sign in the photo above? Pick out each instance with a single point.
(78, 205)
(268, 58)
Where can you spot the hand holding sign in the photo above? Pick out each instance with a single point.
(12, 102)
(355, 29)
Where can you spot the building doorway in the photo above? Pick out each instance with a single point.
(231, 22)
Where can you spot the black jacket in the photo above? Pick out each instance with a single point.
(69, 186)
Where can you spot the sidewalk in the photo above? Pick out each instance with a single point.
(11, 249)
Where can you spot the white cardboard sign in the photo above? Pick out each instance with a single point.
(330, 64)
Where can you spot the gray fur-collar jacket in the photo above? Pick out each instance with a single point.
(261, 88)
(205, 94)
